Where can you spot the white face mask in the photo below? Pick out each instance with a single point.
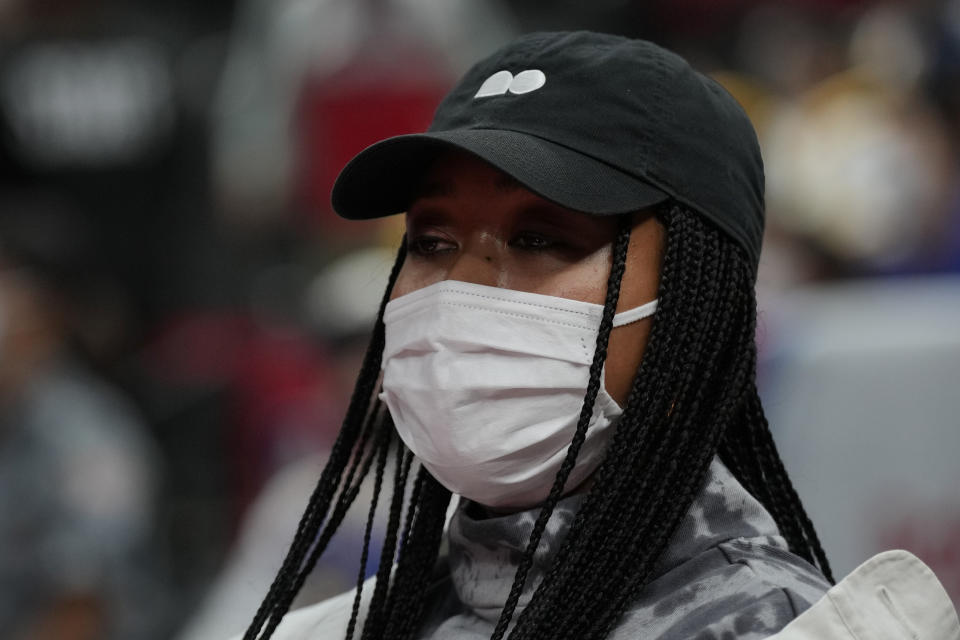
(485, 386)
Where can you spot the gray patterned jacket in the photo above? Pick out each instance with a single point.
(727, 575)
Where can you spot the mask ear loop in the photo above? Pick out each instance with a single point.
(637, 313)
(621, 243)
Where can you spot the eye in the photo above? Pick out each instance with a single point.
(427, 245)
(532, 241)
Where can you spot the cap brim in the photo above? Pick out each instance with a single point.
(382, 179)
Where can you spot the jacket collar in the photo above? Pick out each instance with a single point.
(485, 551)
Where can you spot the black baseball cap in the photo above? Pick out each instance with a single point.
(594, 122)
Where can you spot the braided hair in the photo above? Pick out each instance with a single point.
(694, 397)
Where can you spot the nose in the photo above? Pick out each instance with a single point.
(478, 265)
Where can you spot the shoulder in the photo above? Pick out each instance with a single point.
(892, 595)
(743, 588)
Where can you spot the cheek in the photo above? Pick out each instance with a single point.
(414, 276)
(401, 286)
(624, 352)
(584, 279)
(640, 284)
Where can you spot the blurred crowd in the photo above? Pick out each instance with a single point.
(182, 314)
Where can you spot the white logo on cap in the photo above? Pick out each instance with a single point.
(503, 81)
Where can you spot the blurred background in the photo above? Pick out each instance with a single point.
(182, 315)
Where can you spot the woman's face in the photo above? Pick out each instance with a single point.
(473, 223)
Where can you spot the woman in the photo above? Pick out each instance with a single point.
(567, 342)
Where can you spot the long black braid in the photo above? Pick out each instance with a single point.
(364, 413)
(694, 397)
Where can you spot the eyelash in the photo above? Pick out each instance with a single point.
(543, 243)
(415, 244)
